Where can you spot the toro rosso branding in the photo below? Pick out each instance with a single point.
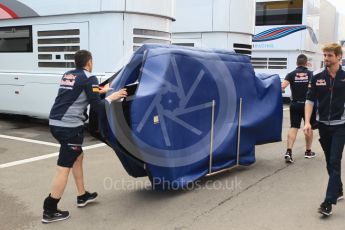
(11, 9)
(321, 82)
(301, 77)
(67, 81)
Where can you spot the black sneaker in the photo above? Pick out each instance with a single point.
(325, 209)
(83, 200)
(288, 157)
(309, 154)
(340, 196)
(49, 217)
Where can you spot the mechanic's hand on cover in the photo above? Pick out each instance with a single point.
(122, 93)
(307, 129)
(104, 89)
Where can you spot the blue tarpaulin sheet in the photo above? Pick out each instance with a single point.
(186, 118)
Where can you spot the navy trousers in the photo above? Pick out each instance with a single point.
(332, 140)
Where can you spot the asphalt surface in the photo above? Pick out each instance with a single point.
(267, 195)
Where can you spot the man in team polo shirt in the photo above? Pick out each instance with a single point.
(298, 81)
(78, 89)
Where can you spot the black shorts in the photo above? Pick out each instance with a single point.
(71, 140)
(297, 114)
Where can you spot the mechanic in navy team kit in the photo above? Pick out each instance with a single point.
(298, 80)
(78, 89)
(327, 89)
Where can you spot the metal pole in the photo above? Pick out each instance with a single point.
(238, 145)
(239, 132)
(211, 137)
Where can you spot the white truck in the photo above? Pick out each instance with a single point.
(286, 28)
(224, 24)
(38, 40)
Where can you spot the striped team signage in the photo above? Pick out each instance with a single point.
(276, 33)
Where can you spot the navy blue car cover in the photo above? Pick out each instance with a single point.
(187, 111)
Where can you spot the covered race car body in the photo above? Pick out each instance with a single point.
(192, 112)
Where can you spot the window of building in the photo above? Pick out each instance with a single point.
(56, 48)
(184, 44)
(279, 13)
(269, 63)
(143, 36)
(16, 39)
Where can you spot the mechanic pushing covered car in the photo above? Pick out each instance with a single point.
(189, 112)
(78, 88)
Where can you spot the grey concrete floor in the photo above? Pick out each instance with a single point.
(267, 195)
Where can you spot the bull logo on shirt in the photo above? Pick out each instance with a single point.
(301, 77)
(68, 81)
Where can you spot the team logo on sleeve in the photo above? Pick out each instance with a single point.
(321, 82)
(95, 88)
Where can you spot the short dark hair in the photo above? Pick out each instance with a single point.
(81, 57)
(302, 60)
